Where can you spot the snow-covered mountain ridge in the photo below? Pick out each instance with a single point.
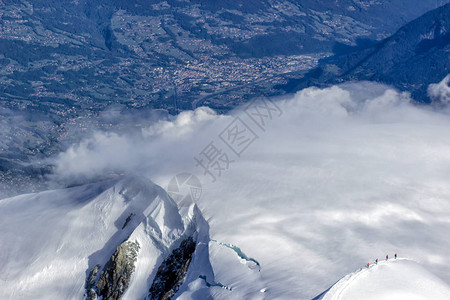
(395, 279)
(104, 239)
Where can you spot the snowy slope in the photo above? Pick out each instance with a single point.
(51, 240)
(389, 280)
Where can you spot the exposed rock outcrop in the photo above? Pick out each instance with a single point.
(115, 277)
(171, 273)
(128, 220)
(91, 294)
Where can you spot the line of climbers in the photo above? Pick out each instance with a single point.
(376, 260)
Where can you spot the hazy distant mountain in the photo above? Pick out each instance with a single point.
(85, 55)
(415, 56)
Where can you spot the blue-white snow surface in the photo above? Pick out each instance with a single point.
(396, 279)
(51, 240)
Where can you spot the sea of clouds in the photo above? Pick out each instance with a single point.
(335, 178)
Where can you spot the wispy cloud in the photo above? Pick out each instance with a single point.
(440, 91)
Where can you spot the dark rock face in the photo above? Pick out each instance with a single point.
(90, 283)
(128, 220)
(171, 273)
(115, 277)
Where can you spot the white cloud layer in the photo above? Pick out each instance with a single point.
(440, 91)
(345, 175)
